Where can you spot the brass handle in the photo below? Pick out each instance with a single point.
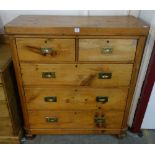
(46, 51)
(106, 50)
(100, 121)
(48, 75)
(50, 99)
(102, 99)
(51, 119)
(104, 75)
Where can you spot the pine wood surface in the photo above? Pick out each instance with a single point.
(76, 98)
(89, 25)
(77, 74)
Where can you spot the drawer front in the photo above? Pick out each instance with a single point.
(5, 126)
(75, 120)
(3, 109)
(94, 75)
(2, 95)
(76, 98)
(46, 50)
(107, 49)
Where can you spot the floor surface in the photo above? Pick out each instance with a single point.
(147, 138)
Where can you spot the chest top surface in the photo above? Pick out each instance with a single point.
(65, 25)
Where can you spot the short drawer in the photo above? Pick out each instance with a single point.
(45, 50)
(107, 49)
(76, 98)
(4, 112)
(93, 75)
(2, 95)
(75, 120)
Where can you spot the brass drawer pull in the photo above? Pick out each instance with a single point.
(102, 99)
(100, 121)
(48, 75)
(106, 50)
(51, 119)
(50, 99)
(104, 75)
(46, 51)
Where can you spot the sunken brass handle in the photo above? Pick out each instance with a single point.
(104, 75)
(106, 50)
(50, 99)
(100, 121)
(48, 75)
(46, 51)
(102, 99)
(51, 119)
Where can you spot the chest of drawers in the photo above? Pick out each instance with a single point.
(76, 75)
(10, 118)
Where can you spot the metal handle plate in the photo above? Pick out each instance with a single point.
(50, 99)
(48, 75)
(51, 119)
(46, 51)
(106, 50)
(102, 75)
(100, 121)
(102, 99)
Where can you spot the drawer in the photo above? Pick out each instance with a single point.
(76, 98)
(75, 120)
(94, 75)
(2, 95)
(45, 50)
(3, 109)
(107, 49)
(5, 126)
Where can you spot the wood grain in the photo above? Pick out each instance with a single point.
(2, 94)
(77, 74)
(72, 119)
(29, 49)
(4, 109)
(74, 131)
(5, 56)
(75, 98)
(122, 49)
(5, 126)
(89, 25)
(138, 58)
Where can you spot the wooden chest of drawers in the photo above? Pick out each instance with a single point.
(76, 75)
(10, 119)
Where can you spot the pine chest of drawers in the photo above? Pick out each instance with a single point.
(76, 75)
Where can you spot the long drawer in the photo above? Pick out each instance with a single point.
(107, 49)
(94, 75)
(76, 98)
(75, 120)
(45, 50)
